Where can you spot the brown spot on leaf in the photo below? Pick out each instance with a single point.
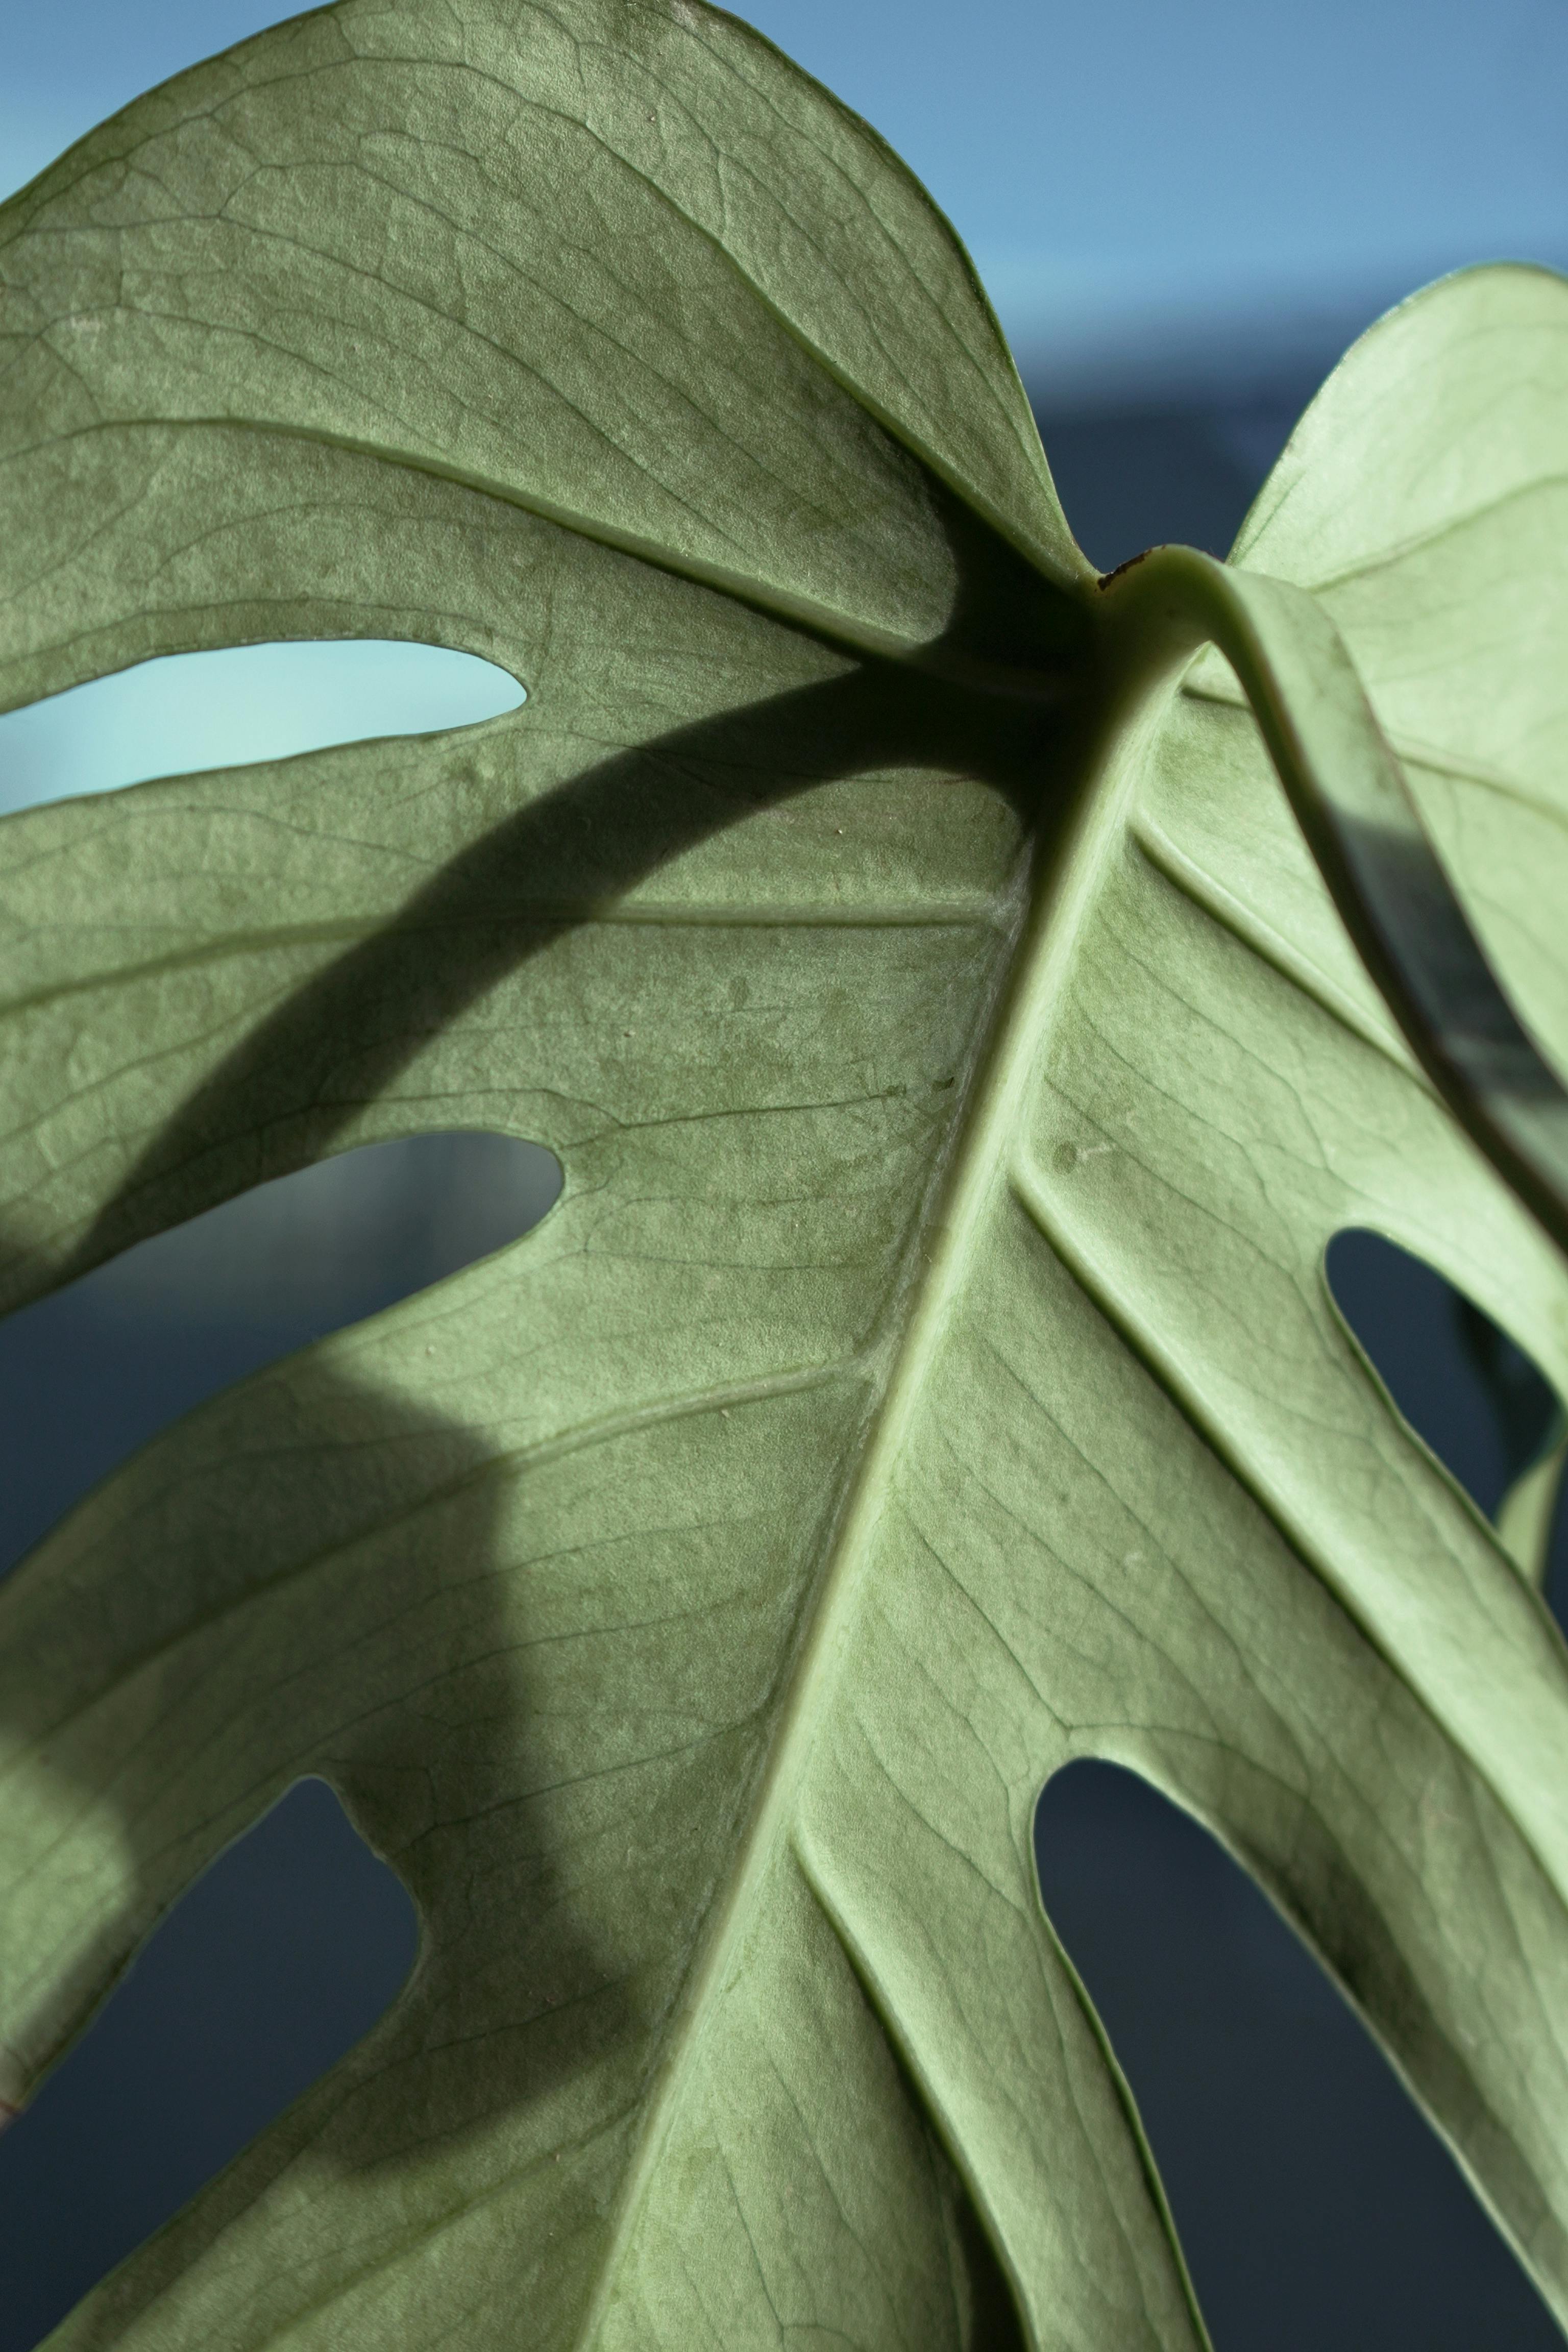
(1106, 579)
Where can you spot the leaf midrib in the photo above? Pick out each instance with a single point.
(974, 1170)
(1368, 565)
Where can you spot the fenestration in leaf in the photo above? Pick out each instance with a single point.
(957, 1068)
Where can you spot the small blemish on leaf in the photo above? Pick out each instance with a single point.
(1064, 1157)
(1108, 578)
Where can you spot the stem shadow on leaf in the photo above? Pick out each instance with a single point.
(969, 707)
(341, 1604)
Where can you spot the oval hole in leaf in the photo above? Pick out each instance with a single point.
(1464, 1386)
(1315, 2205)
(96, 1370)
(186, 712)
(280, 1957)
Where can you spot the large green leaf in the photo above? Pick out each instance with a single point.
(958, 1065)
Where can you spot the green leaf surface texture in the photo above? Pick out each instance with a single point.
(926, 1376)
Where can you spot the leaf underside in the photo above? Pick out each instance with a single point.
(926, 1376)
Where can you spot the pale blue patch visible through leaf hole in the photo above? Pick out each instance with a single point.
(188, 712)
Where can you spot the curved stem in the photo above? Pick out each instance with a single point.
(1526, 1515)
(1352, 802)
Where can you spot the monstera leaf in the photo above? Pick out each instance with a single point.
(964, 1010)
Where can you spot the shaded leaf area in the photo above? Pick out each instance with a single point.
(926, 1376)
(431, 851)
(280, 1957)
(1314, 2205)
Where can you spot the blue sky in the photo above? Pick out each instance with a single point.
(1150, 189)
